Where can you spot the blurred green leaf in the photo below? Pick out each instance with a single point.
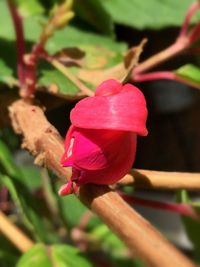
(29, 8)
(31, 177)
(6, 73)
(192, 227)
(114, 247)
(52, 77)
(56, 255)
(29, 209)
(37, 256)
(69, 256)
(72, 210)
(7, 259)
(95, 14)
(7, 165)
(12, 177)
(9, 138)
(71, 36)
(189, 72)
(109, 241)
(151, 14)
(100, 56)
(32, 25)
(100, 52)
(8, 253)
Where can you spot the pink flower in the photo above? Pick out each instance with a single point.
(100, 145)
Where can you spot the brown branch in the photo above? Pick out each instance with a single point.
(144, 240)
(161, 180)
(14, 234)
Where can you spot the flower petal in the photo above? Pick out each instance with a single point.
(99, 156)
(125, 111)
(109, 87)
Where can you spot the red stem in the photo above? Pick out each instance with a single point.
(194, 34)
(184, 40)
(190, 12)
(20, 42)
(183, 209)
(157, 75)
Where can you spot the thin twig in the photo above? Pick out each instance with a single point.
(14, 234)
(141, 238)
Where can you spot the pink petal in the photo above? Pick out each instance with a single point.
(101, 156)
(67, 189)
(125, 111)
(109, 87)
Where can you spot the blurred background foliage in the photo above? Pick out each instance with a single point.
(64, 231)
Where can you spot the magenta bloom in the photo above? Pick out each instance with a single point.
(100, 145)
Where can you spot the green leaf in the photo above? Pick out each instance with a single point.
(54, 78)
(7, 165)
(8, 136)
(95, 14)
(9, 255)
(32, 25)
(7, 259)
(71, 210)
(56, 255)
(31, 177)
(100, 52)
(29, 8)
(37, 256)
(99, 56)
(192, 227)
(114, 247)
(6, 73)
(189, 72)
(151, 14)
(29, 207)
(71, 36)
(109, 241)
(65, 255)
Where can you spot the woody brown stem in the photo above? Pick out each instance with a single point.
(142, 239)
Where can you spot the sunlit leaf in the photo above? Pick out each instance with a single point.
(151, 14)
(56, 255)
(190, 73)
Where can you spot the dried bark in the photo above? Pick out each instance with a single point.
(44, 142)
